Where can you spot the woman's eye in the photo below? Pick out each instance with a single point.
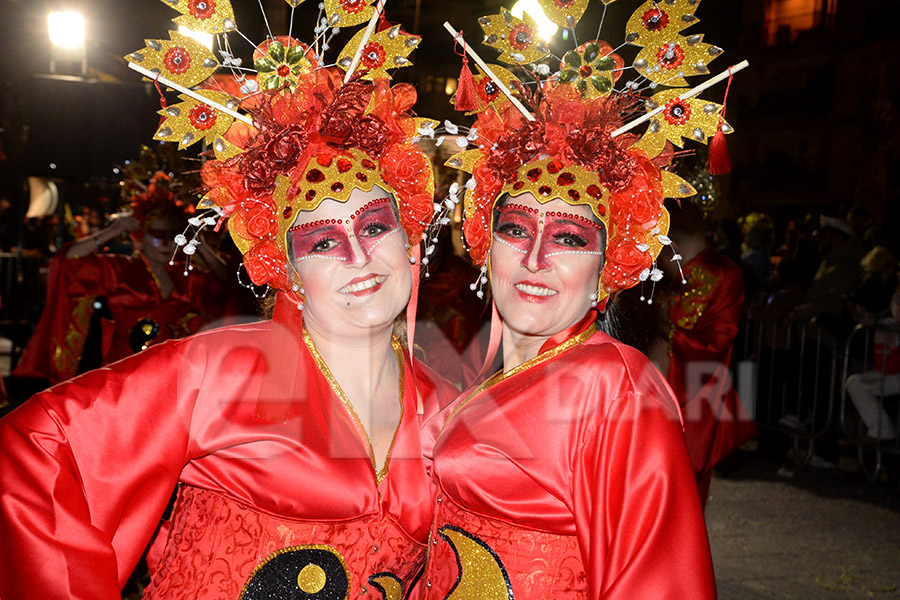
(324, 245)
(512, 230)
(570, 240)
(374, 230)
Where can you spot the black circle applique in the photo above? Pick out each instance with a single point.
(299, 573)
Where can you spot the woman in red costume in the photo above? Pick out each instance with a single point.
(566, 473)
(123, 303)
(294, 443)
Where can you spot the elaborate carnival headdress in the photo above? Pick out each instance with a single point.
(556, 127)
(291, 131)
(156, 184)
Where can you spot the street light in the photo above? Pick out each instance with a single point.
(66, 31)
(546, 27)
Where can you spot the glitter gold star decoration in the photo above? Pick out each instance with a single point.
(346, 13)
(691, 118)
(385, 50)
(565, 13)
(206, 16)
(515, 38)
(181, 59)
(667, 57)
(190, 121)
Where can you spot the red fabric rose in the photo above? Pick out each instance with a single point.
(416, 211)
(265, 264)
(406, 169)
(624, 264)
(370, 135)
(478, 236)
(636, 205)
(259, 219)
(273, 151)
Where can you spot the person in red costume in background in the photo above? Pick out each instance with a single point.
(102, 307)
(294, 444)
(700, 320)
(565, 474)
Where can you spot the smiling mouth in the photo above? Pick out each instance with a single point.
(535, 290)
(364, 285)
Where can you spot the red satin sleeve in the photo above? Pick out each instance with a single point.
(639, 525)
(86, 470)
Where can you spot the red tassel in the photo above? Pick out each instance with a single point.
(719, 159)
(465, 89)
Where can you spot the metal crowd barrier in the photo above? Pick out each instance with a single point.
(861, 356)
(796, 381)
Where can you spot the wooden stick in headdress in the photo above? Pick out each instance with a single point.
(189, 92)
(688, 94)
(487, 71)
(379, 8)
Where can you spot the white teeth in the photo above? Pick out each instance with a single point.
(534, 290)
(363, 285)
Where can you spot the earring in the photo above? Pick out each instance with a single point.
(593, 298)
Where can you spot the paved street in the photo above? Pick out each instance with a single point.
(814, 536)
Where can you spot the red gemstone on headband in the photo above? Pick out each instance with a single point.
(324, 160)
(534, 174)
(287, 212)
(595, 190)
(574, 195)
(344, 165)
(337, 187)
(565, 179)
(554, 167)
(315, 176)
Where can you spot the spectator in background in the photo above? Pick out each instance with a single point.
(756, 248)
(873, 298)
(837, 278)
(868, 389)
(701, 319)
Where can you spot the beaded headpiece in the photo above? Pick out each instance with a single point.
(291, 132)
(559, 133)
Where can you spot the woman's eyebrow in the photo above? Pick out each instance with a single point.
(308, 229)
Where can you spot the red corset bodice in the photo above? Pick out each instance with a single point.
(218, 548)
(473, 556)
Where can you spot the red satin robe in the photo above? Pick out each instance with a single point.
(703, 318)
(88, 467)
(131, 291)
(568, 477)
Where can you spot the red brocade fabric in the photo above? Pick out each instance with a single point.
(234, 538)
(88, 467)
(580, 452)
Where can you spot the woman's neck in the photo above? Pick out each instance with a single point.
(360, 361)
(518, 348)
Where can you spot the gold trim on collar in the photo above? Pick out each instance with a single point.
(381, 473)
(500, 376)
